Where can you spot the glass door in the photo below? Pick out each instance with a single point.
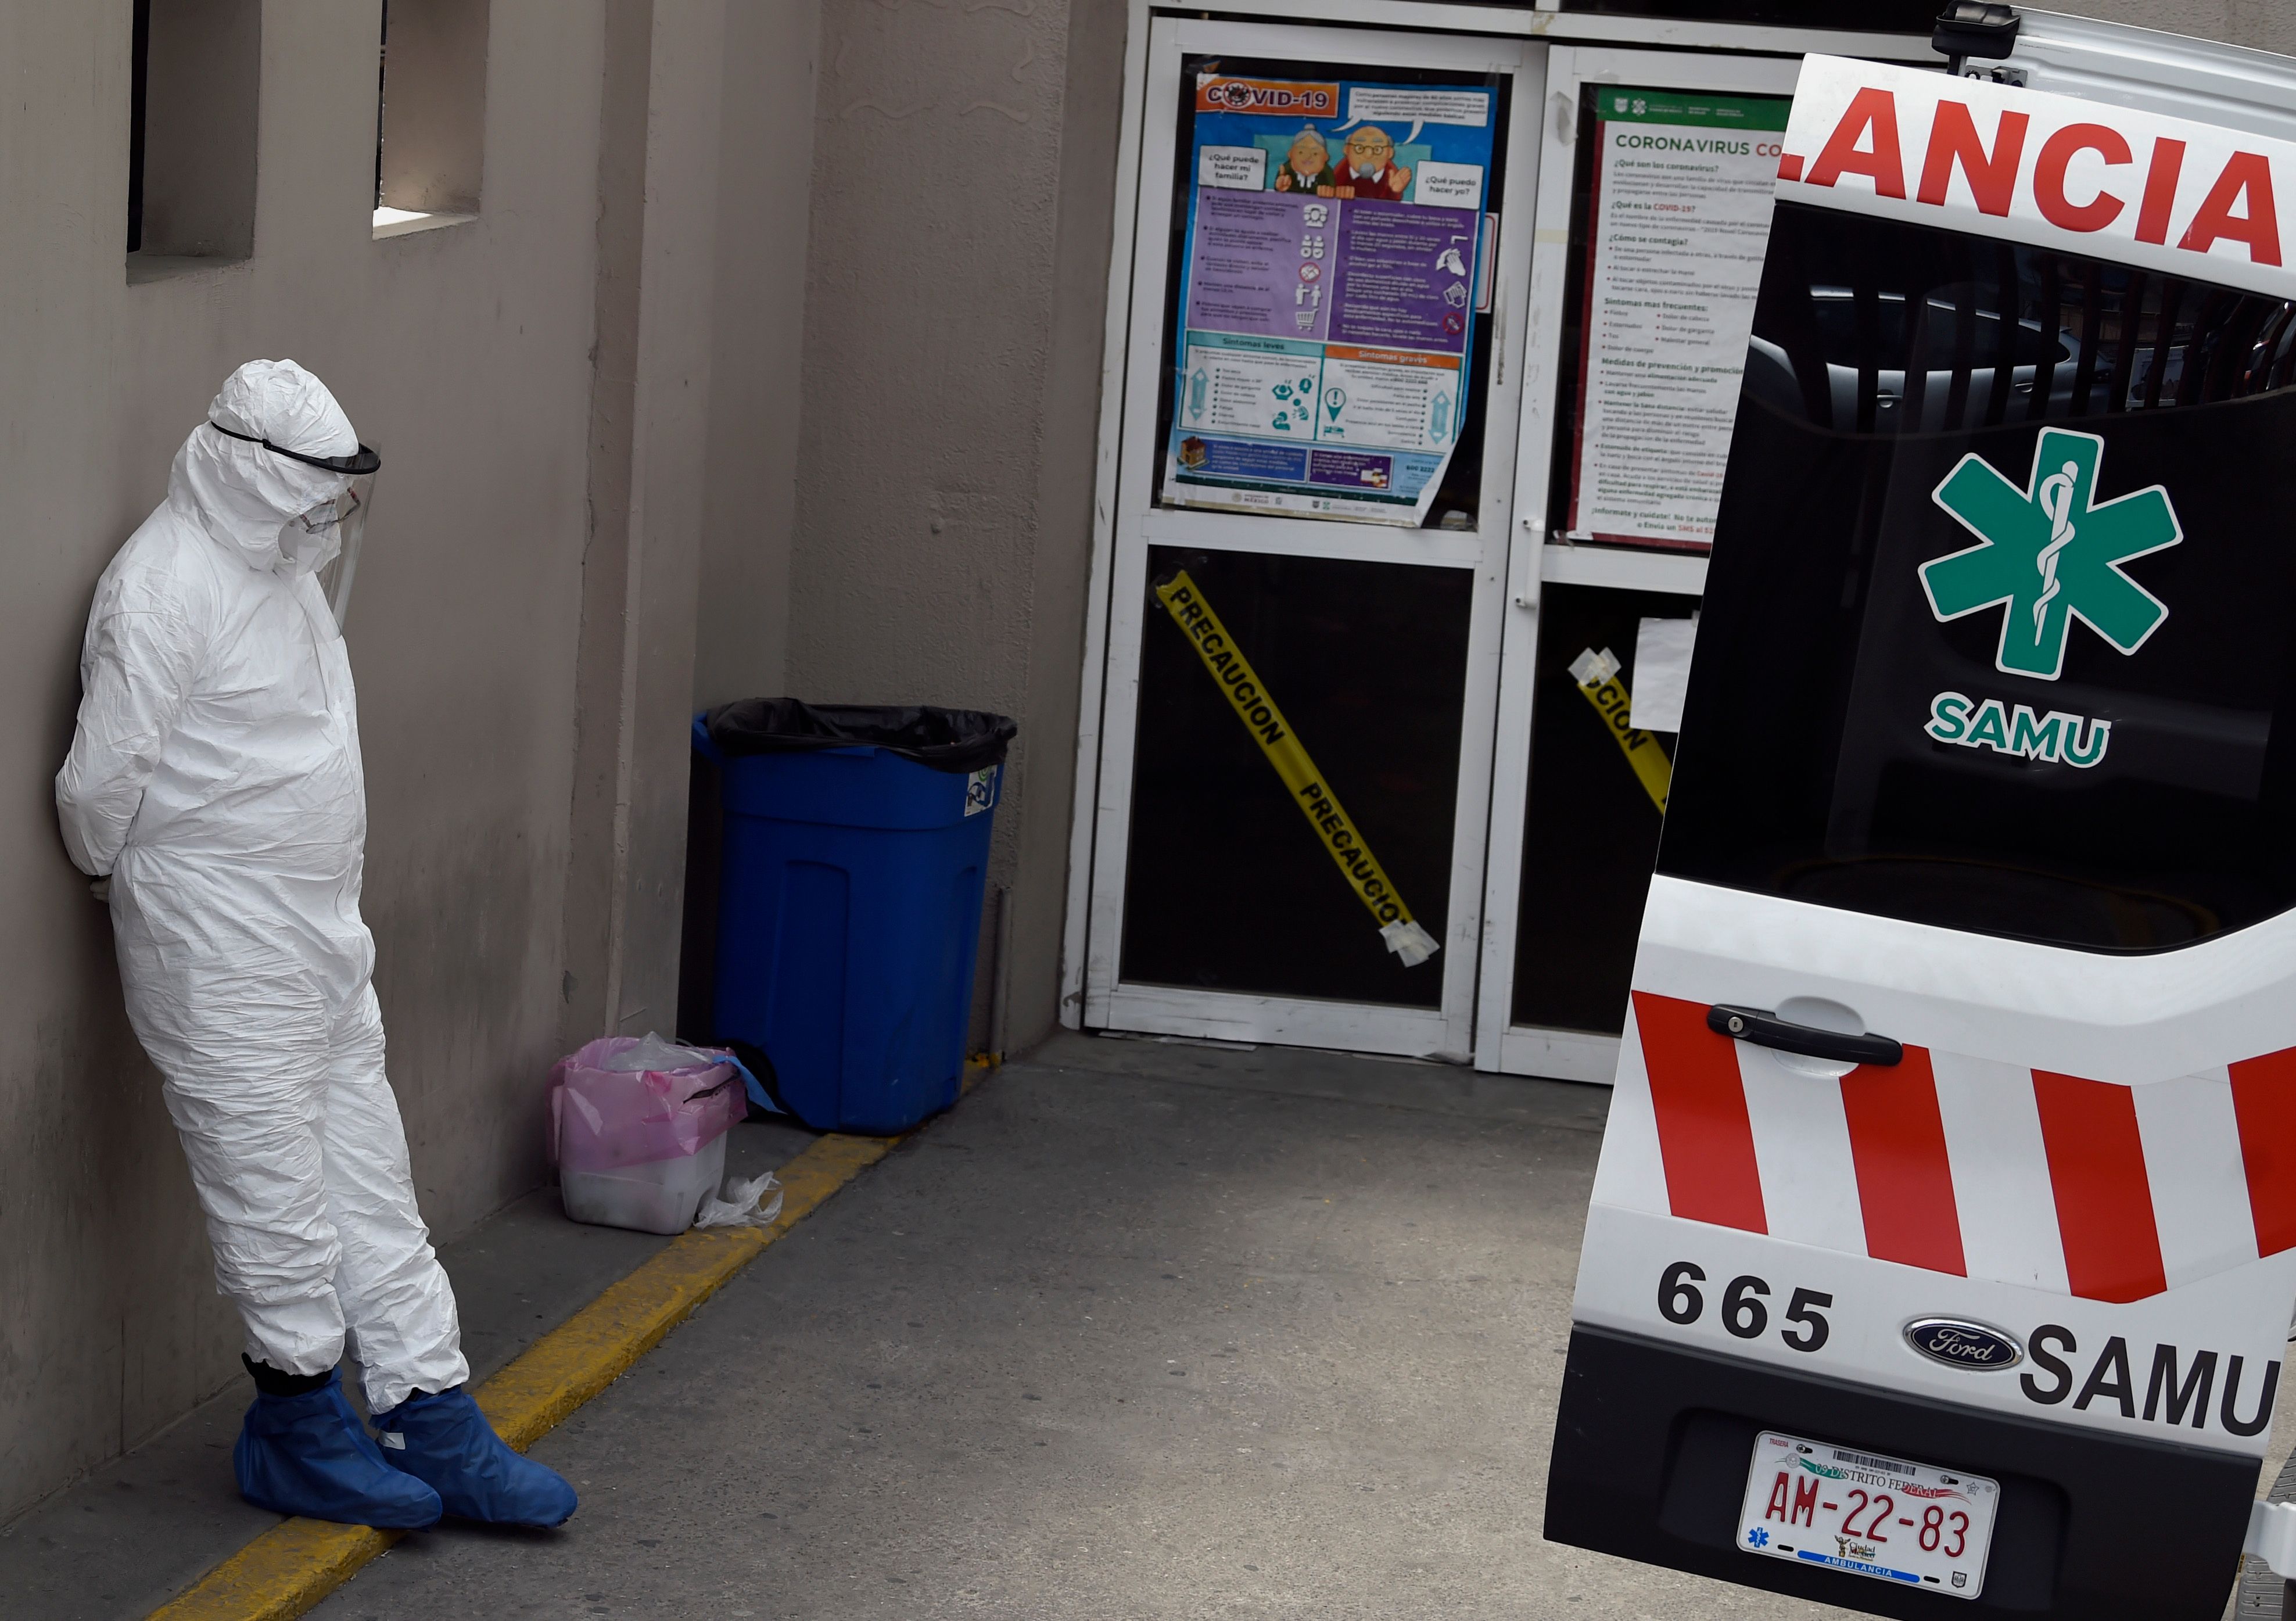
(1315, 493)
(1653, 213)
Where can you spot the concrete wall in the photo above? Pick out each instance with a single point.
(640, 568)
(773, 49)
(963, 167)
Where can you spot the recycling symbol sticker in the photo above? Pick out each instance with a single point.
(2049, 553)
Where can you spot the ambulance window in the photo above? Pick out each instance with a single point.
(2066, 733)
(1842, 333)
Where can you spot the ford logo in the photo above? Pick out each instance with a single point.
(1963, 1344)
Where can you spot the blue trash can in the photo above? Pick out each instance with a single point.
(848, 912)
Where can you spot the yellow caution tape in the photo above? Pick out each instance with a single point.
(1183, 600)
(1609, 696)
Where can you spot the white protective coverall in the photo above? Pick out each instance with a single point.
(214, 776)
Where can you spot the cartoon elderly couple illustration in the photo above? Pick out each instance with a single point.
(1367, 168)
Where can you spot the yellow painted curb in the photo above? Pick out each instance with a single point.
(596, 1346)
(289, 1569)
(281, 1574)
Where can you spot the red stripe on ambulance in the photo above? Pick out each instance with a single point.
(2105, 1201)
(1964, 1166)
(2264, 1097)
(1905, 1180)
(1704, 1138)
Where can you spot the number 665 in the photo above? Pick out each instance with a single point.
(1744, 1313)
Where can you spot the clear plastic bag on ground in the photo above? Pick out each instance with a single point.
(652, 1051)
(752, 1203)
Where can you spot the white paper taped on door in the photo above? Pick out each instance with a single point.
(1662, 672)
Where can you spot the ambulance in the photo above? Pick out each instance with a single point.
(1942, 1251)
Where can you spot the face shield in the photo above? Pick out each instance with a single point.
(329, 534)
(325, 539)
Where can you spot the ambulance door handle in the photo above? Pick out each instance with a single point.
(1765, 1029)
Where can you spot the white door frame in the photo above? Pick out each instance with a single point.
(1318, 1024)
(1109, 1002)
(1500, 1045)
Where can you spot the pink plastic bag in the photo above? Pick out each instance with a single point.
(602, 1117)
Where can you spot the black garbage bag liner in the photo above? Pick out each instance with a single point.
(947, 739)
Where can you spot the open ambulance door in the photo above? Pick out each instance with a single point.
(1942, 1250)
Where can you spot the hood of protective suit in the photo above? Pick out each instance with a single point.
(243, 495)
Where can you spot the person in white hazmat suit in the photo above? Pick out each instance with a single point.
(215, 783)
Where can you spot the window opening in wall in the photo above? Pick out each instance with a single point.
(430, 114)
(194, 85)
(381, 101)
(139, 85)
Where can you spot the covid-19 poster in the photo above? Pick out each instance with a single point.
(1338, 238)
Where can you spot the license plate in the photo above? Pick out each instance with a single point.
(1837, 1507)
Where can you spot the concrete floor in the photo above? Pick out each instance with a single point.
(1141, 1331)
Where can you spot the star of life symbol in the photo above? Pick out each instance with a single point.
(1758, 1537)
(2051, 553)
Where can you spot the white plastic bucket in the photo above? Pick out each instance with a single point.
(656, 1196)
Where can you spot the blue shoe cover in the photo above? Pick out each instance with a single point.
(445, 1442)
(310, 1455)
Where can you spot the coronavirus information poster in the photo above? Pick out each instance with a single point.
(1330, 278)
(1678, 222)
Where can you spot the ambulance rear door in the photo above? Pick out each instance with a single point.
(1943, 1246)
